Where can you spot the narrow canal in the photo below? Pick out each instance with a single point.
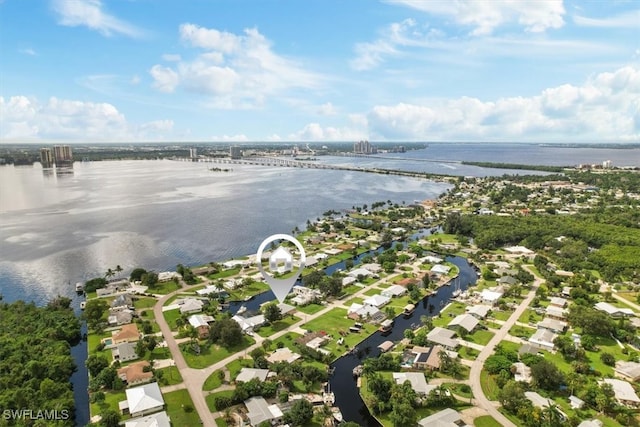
(342, 382)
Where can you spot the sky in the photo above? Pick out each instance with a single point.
(319, 70)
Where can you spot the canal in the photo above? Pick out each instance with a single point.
(343, 383)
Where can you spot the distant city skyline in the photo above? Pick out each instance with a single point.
(384, 71)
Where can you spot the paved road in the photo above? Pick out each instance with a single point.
(474, 377)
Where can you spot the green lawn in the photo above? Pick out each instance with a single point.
(530, 316)
(468, 353)
(333, 323)
(481, 336)
(351, 289)
(462, 390)
(213, 381)
(164, 288)
(180, 408)
(485, 421)
(144, 302)
(225, 273)
(630, 296)
(211, 402)
(212, 354)
(111, 400)
(170, 375)
(371, 292)
(311, 308)
(288, 340)
(236, 366)
(521, 331)
(267, 330)
(447, 315)
(92, 342)
(489, 386)
(355, 300)
(501, 315)
(171, 316)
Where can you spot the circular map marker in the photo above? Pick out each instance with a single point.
(280, 261)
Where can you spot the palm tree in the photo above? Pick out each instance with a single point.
(118, 269)
(109, 274)
(551, 416)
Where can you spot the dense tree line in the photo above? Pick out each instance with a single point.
(35, 357)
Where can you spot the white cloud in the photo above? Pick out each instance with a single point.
(606, 107)
(90, 14)
(230, 138)
(28, 51)
(171, 57)
(316, 132)
(629, 19)
(27, 118)
(486, 16)
(327, 109)
(234, 70)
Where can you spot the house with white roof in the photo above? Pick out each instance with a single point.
(522, 372)
(394, 291)
(555, 312)
(479, 311)
(165, 276)
(440, 269)
(558, 302)
(260, 411)
(304, 295)
(591, 423)
(360, 272)
(364, 312)
(543, 338)
(209, 289)
(490, 297)
(142, 400)
(432, 259)
(444, 337)
(465, 321)
(377, 300)
(446, 418)
(417, 380)
(189, 305)
(557, 326)
(624, 392)
(248, 324)
(628, 370)
(612, 310)
(247, 374)
(346, 281)
(541, 402)
(200, 323)
(373, 267)
(159, 419)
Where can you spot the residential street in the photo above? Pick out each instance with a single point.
(474, 376)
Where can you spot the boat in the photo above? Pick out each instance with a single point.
(79, 287)
(242, 309)
(408, 309)
(337, 415)
(456, 293)
(83, 304)
(386, 325)
(248, 298)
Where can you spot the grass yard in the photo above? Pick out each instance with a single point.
(447, 315)
(355, 300)
(225, 273)
(267, 330)
(501, 315)
(170, 375)
(171, 316)
(521, 331)
(468, 353)
(213, 381)
(530, 316)
(180, 408)
(481, 336)
(164, 288)
(310, 308)
(371, 292)
(489, 386)
(144, 302)
(334, 322)
(93, 340)
(485, 421)
(462, 390)
(288, 340)
(212, 354)
(236, 366)
(211, 401)
(111, 400)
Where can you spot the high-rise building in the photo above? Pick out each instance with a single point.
(63, 155)
(235, 152)
(364, 147)
(606, 164)
(46, 158)
(193, 153)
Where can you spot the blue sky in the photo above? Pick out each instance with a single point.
(319, 70)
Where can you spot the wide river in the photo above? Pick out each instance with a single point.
(57, 229)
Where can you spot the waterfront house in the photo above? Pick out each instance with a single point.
(124, 352)
(360, 272)
(440, 269)
(122, 302)
(377, 300)
(490, 297)
(159, 419)
(119, 318)
(417, 380)
(167, 276)
(249, 324)
(365, 312)
(142, 400)
(189, 305)
(283, 354)
(128, 333)
(394, 291)
(135, 373)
